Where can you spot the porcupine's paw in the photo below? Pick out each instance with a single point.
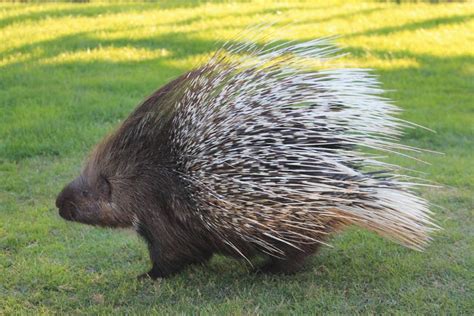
(281, 266)
(147, 276)
(154, 274)
(294, 262)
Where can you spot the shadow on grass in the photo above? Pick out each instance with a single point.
(77, 10)
(96, 10)
(93, 10)
(426, 24)
(339, 16)
(356, 273)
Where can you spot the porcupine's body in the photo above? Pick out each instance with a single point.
(252, 153)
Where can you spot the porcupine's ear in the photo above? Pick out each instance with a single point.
(103, 187)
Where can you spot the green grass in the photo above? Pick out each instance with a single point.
(69, 73)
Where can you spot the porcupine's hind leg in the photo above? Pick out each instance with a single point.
(294, 259)
(292, 263)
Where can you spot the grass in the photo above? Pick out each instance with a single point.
(70, 72)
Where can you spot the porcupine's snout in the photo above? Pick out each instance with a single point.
(65, 202)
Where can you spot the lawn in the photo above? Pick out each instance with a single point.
(70, 72)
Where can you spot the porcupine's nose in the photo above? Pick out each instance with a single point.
(60, 200)
(65, 194)
(66, 209)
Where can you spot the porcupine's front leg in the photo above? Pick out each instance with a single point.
(164, 264)
(169, 255)
(167, 262)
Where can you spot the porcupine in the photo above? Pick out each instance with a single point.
(253, 153)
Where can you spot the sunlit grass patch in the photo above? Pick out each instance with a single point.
(111, 54)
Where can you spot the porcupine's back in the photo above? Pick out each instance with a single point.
(271, 152)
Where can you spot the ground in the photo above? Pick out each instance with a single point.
(70, 72)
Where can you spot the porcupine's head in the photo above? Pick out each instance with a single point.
(88, 199)
(126, 173)
(101, 195)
